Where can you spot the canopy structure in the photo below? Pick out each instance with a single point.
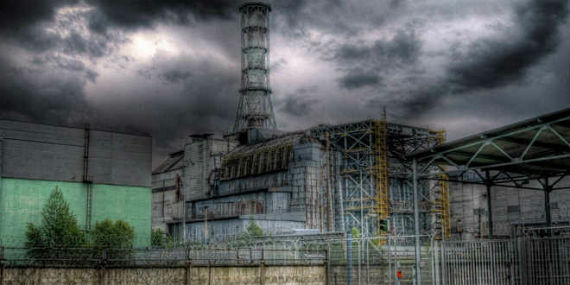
(532, 149)
(537, 149)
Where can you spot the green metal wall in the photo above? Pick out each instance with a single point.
(22, 200)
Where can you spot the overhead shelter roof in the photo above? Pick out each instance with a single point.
(538, 147)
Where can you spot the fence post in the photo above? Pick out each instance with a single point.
(522, 260)
(262, 272)
(328, 268)
(188, 277)
(443, 263)
(102, 264)
(209, 272)
(390, 260)
(349, 257)
(436, 261)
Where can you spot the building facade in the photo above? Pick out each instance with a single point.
(513, 210)
(102, 175)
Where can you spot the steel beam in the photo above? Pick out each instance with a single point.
(489, 205)
(547, 212)
(417, 222)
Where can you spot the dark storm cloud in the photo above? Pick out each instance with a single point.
(52, 62)
(494, 63)
(145, 13)
(21, 20)
(49, 87)
(30, 93)
(175, 75)
(355, 80)
(397, 3)
(491, 63)
(92, 45)
(403, 48)
(299, 103)
(190, 91)
(203, 101)
(364, 65)
(26, 22)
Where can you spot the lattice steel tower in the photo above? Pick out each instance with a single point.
(255, 109)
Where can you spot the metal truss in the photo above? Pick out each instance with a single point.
(357, 143)
(512, 156)
(255, 109)
(507, 159)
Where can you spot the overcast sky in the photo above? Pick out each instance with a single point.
(171, 68)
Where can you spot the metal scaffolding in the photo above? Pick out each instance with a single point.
(380, 171)
(374, 175)
(441, 222)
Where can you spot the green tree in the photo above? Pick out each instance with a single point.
(57, 233)
(158, 238)
(253, 230)
(246, 239)
(355, 232)
(114, 238)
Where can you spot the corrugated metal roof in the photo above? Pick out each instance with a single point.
(289, 138)
(538, 145)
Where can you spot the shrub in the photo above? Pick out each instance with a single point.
(115, 238)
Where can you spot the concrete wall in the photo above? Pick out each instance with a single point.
(195, 275)
(35, 159)
(246, 204)
(166, 202)
(229, 228)
(202, 155)
(510, 206)
(46, 152)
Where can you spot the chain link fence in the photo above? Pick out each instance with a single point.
(520, 261)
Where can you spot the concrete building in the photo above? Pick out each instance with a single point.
(188, 174)
(102, 174)
(330, 178)
(513, 210)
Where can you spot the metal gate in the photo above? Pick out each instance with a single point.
(524, 261)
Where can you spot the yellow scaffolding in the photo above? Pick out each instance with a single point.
(442, 207)
(381, 172)
(444, 188)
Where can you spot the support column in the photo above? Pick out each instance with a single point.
(488, 185)
(547, 189)
(417, 222)
(349, 258)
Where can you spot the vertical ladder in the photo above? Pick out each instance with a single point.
(441, 208)
(381, 174)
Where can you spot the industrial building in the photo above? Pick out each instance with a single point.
(338, 178)
(513, 210)
(330, 178)
(102, 174)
